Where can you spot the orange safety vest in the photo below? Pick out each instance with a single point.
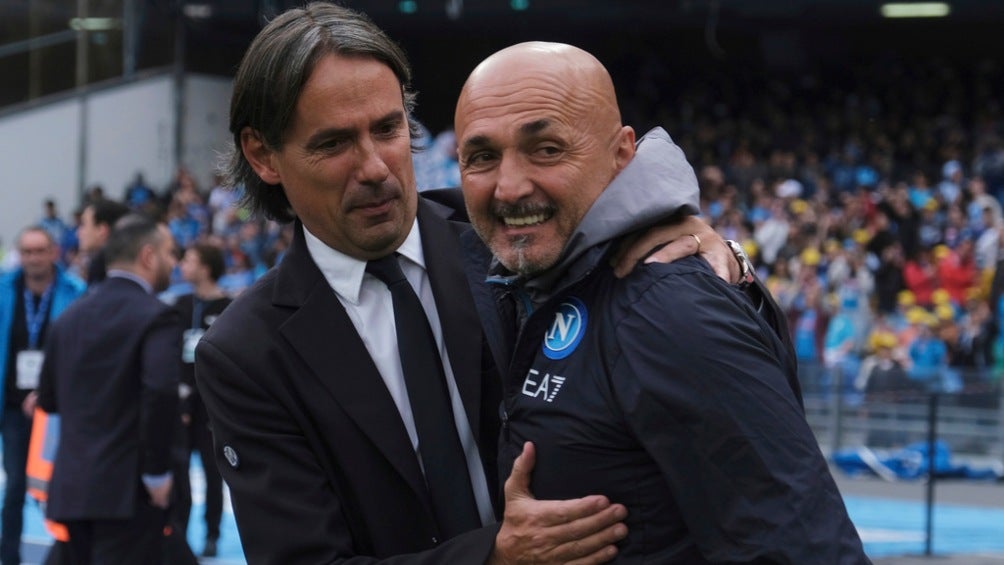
(41, 452)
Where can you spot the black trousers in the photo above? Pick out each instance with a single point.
(139, 539)
(16, 433)
(196, 437)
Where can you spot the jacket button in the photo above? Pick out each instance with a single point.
(231, 456)
(435, 541)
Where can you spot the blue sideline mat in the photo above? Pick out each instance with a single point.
(897, 527)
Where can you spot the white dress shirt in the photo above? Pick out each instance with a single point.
(369, 305)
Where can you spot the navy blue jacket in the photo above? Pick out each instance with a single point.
(667, 392)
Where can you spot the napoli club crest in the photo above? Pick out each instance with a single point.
(566, 330)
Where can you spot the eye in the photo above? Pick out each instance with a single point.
(546, 149)
(387, 129)
(479, 159)
(333, 144)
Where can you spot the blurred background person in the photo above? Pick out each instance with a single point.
(96, 223)
(201, 266)
(31, 297)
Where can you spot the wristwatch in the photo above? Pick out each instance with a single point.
(745, 267)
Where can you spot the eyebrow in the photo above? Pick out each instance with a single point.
(328, 133)
(535, 126)
(321, 136)
(476, 142)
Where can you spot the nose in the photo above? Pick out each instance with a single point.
(513, 183)
(371, 169)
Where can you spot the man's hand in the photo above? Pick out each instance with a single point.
(160, 495)
(677, 243)
(28, 406)
(580, 531)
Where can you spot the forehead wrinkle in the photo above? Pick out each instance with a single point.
(530, 113)
(496, 90)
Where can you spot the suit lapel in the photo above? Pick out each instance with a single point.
(321, 333)
(455, 304)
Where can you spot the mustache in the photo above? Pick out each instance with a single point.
(502, 209)
(372, 194)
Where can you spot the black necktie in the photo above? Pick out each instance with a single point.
(443, 458)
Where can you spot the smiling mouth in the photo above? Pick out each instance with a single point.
(526, 220)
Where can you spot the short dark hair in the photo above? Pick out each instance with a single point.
(128, 236)
(108, 212)
(211, 256)
(271, 77)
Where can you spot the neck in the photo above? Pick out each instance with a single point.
(207, 290)
(134, 270)
(37, 284)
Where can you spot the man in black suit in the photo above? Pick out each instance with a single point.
(111, 372)
(314, 423)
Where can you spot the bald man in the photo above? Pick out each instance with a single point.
(664, 390)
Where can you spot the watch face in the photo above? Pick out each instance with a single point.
(745, 268)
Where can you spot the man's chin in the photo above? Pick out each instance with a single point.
(379, 243)
(522, 262)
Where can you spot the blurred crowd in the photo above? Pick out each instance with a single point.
(869, 198)
(194, 215)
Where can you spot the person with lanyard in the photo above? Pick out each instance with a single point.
(31, 297)
(202, 266)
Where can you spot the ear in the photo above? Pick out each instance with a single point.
(54, 252)
(145, 258)
(625, 147)
(259, 155)
(103, 231)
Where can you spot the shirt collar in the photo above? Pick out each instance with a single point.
(345, 273)
(122, 274)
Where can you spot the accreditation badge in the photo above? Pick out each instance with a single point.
(190, 339)
(29, 367)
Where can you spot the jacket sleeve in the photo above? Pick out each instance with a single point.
(775, 317)
(698, 375)
(46, 378)
(287, 511)
(160, 351)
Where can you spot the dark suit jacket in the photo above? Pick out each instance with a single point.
(111, 373)
(320, 467)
